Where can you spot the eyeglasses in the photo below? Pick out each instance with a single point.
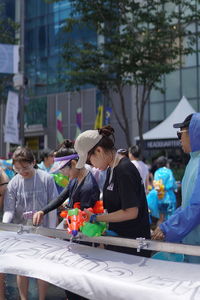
(25, 169)
(179, 133)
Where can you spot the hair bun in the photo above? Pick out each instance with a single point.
(106, 130)
(68, 144)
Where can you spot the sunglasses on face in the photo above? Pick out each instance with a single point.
(179, 133)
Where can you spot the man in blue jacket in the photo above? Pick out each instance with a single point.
(184, 225)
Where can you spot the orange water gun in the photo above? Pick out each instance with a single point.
(76, 218)
(96, 209)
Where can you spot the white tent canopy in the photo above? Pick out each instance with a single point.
(165, 129)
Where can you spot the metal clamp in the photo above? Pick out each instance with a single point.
(21, 230)
(142, 244)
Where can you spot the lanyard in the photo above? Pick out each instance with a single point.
(34, 198)
(112, 168)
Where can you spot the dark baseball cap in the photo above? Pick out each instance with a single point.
(185, 123)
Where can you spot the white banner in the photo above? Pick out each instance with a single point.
(96, 273)
(9, 58)
(11, 131)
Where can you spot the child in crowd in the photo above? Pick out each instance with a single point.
(47, 159)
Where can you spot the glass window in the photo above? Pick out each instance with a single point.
(191, 59)
(53, 70)
(157, 112)
(53, 40)
(42, 40)
(157, 95)
(170, 106)
(189, 82)
(173, 85)
(42, 8)
(36, 111)
(42, 71)
(32, 8)
(194, 103)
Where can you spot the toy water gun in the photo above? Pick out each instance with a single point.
(78, 220)
(160, 188)
(96, 209)
(93, 229)
(60, 179)
(75, 219)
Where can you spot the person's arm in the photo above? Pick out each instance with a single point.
(3, 185)
(57, 201)
(9, 203)
(117, 216)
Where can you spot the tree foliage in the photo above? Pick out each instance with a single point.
(136, 42)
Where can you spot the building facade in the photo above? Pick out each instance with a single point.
(45, 91)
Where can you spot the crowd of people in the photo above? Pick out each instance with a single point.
(137, 203)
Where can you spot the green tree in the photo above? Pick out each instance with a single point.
(137, 42)
(7, 36)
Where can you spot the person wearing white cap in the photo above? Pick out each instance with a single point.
(123, 192)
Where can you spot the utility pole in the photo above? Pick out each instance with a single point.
(21, 71)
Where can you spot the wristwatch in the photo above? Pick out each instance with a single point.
(93, 218)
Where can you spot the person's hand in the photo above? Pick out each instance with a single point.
(37, 217)
(157, 234)
(88, 213)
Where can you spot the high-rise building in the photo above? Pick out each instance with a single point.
(45, 91)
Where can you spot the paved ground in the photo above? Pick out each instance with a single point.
(54, 293)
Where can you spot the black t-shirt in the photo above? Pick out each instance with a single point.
(87, 193)
(126, 190)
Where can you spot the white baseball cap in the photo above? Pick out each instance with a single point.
(84, 143)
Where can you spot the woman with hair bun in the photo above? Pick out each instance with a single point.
(123, 193)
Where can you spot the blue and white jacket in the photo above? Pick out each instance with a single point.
(184, 225)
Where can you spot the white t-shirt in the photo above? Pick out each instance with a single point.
(142, 168)
(30, 194)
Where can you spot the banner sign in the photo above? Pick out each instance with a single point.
(78, 122)
(11, 130)
(160, 144)
(59, 127)
(96, 273)
(9, 58)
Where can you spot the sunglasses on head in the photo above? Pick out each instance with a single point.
(179, 133)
